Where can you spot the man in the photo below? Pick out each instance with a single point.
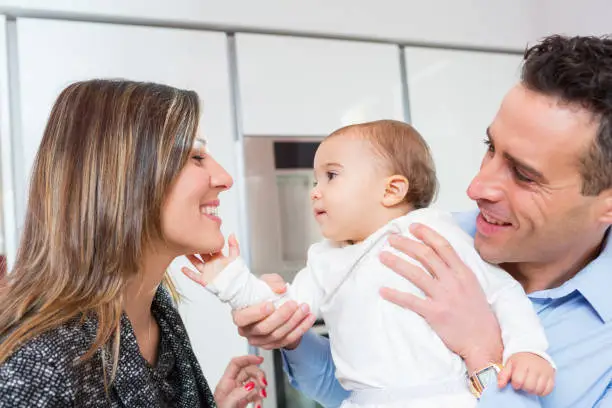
(544, 194)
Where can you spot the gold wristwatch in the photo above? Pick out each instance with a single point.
(481, 379)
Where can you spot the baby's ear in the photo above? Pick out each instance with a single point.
(396, 188)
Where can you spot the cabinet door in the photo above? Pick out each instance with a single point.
(454, 96)
(309, 87)
(53, 54)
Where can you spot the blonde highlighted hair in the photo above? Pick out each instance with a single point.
(405, 153)
(109, 153)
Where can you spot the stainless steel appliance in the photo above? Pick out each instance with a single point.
(281, 227)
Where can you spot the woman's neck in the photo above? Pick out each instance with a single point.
(141, 290)
(139, 295)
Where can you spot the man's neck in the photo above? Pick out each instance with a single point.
(534, 276)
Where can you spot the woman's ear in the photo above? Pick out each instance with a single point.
(396, 188)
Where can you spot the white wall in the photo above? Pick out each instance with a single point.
(500, 23)
(588, 17)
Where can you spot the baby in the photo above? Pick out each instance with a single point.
(372, 180)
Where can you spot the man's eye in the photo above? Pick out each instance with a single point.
(520, 176)
(489, 145)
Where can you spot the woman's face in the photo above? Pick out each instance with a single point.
(190, 221)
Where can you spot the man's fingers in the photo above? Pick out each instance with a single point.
(275, 282)
(252, 314)
(294, 321)
(278, 318)
(440, 246)
(421, 253)
(294, 335)
(406, 300)
(420, 278)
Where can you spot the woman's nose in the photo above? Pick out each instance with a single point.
(220, 178)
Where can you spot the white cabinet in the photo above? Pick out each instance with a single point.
(454, 96)
(52, 54)
(309, 87)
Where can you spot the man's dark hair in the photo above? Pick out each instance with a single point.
(578, 71)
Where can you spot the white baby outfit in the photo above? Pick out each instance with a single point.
(386, 355)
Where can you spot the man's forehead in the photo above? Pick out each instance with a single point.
(544, 123)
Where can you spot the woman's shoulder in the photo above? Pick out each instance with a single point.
(42, 369)
(57, 348)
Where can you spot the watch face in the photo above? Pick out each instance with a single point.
(487, 377)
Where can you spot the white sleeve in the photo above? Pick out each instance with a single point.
(521, 329)
(237, 286)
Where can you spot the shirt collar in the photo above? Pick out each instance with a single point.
(593, 282)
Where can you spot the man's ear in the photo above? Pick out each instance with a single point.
(396, 188)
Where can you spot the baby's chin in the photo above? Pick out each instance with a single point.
(340, 238)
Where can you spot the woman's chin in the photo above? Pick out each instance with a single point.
(212, 245)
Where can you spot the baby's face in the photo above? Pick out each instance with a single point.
(350, 184)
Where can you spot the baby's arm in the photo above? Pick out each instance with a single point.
(232, 282)
(527, 365)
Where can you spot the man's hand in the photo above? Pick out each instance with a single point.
(268, 328)
(455, 305)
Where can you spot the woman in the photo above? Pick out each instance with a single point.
(121, 185)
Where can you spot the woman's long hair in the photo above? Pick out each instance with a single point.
(108, 155)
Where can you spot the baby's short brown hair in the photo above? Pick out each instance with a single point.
(406, 153)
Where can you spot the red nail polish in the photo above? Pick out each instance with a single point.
(258, 406)
(265, 383)
(264, 393)
(249, 386)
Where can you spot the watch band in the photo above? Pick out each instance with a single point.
(482, 378)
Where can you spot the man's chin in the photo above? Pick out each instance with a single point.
(487, 253)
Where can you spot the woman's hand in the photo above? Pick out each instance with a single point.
(242, 383)
(210, 265)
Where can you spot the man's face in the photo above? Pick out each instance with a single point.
(528, 188)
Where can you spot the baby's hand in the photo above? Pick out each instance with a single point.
(210, 265)
(528, 372)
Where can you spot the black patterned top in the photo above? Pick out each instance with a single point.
(46, 371)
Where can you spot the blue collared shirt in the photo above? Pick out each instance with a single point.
(577, 318)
